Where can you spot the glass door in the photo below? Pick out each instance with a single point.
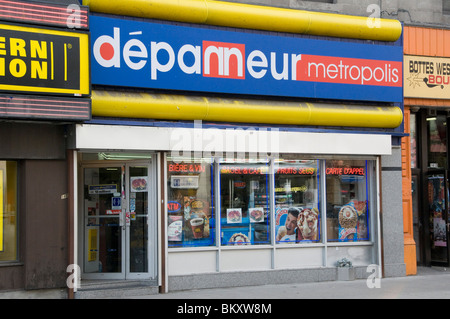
(118, 209)
(438, 217)
(137, 220)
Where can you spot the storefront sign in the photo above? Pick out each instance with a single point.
(186, 168)
(44, 107)
(427, 77)
(187, 181)
(173, 206)
(248, 169)
(113, 211)
(345, 171)
(102, 189)
(36, 60)
(164, 56)
(295, 170)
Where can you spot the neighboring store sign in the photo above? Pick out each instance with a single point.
(37, 60)
(71, 16)
(23, 106)
(165, 56)
(427, 77)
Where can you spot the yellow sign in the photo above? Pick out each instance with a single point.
(92, 245)
(44, 61)
(426, 77)
(1, 210)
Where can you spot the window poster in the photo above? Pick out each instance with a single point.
(138, 184)
(175, 228)
(234, 215)
(256, 214)
(93, 244)
(440, 234)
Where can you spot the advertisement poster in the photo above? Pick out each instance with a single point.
(281, 214)
(256, 214)
(175, 228)
(92, 244)
(139, 184)
(234, 215)
(189, 219)
(348, 219)
(440, 234)
(299, 225)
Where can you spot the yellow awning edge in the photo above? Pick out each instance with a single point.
(248, 16)
(210, 109)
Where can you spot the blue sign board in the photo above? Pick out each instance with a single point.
(144, 54)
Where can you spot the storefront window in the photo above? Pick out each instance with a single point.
(437, 141)
(245, 191)
(8, 211)
(190, 203)
(347, 200)
(245, 197)
(297, 217)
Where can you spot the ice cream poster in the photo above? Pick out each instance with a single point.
(280, 220)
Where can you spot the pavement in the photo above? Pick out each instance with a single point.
(429, 283)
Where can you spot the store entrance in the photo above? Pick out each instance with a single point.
(119, 215)
(438, 212)
(437, 188)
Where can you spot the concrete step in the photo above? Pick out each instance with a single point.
(115, 289)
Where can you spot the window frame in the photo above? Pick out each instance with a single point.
(373, 163)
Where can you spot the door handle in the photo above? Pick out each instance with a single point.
(122, 219)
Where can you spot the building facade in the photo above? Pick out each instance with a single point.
(226, 150)
(232, 143)
(44, 88)
(425, 37)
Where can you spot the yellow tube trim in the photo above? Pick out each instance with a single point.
(190, 108)
(238, 15)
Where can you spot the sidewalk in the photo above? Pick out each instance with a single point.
(429, 283)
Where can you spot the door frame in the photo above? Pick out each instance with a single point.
(423, 171)
(445, 214)
(152, 222)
